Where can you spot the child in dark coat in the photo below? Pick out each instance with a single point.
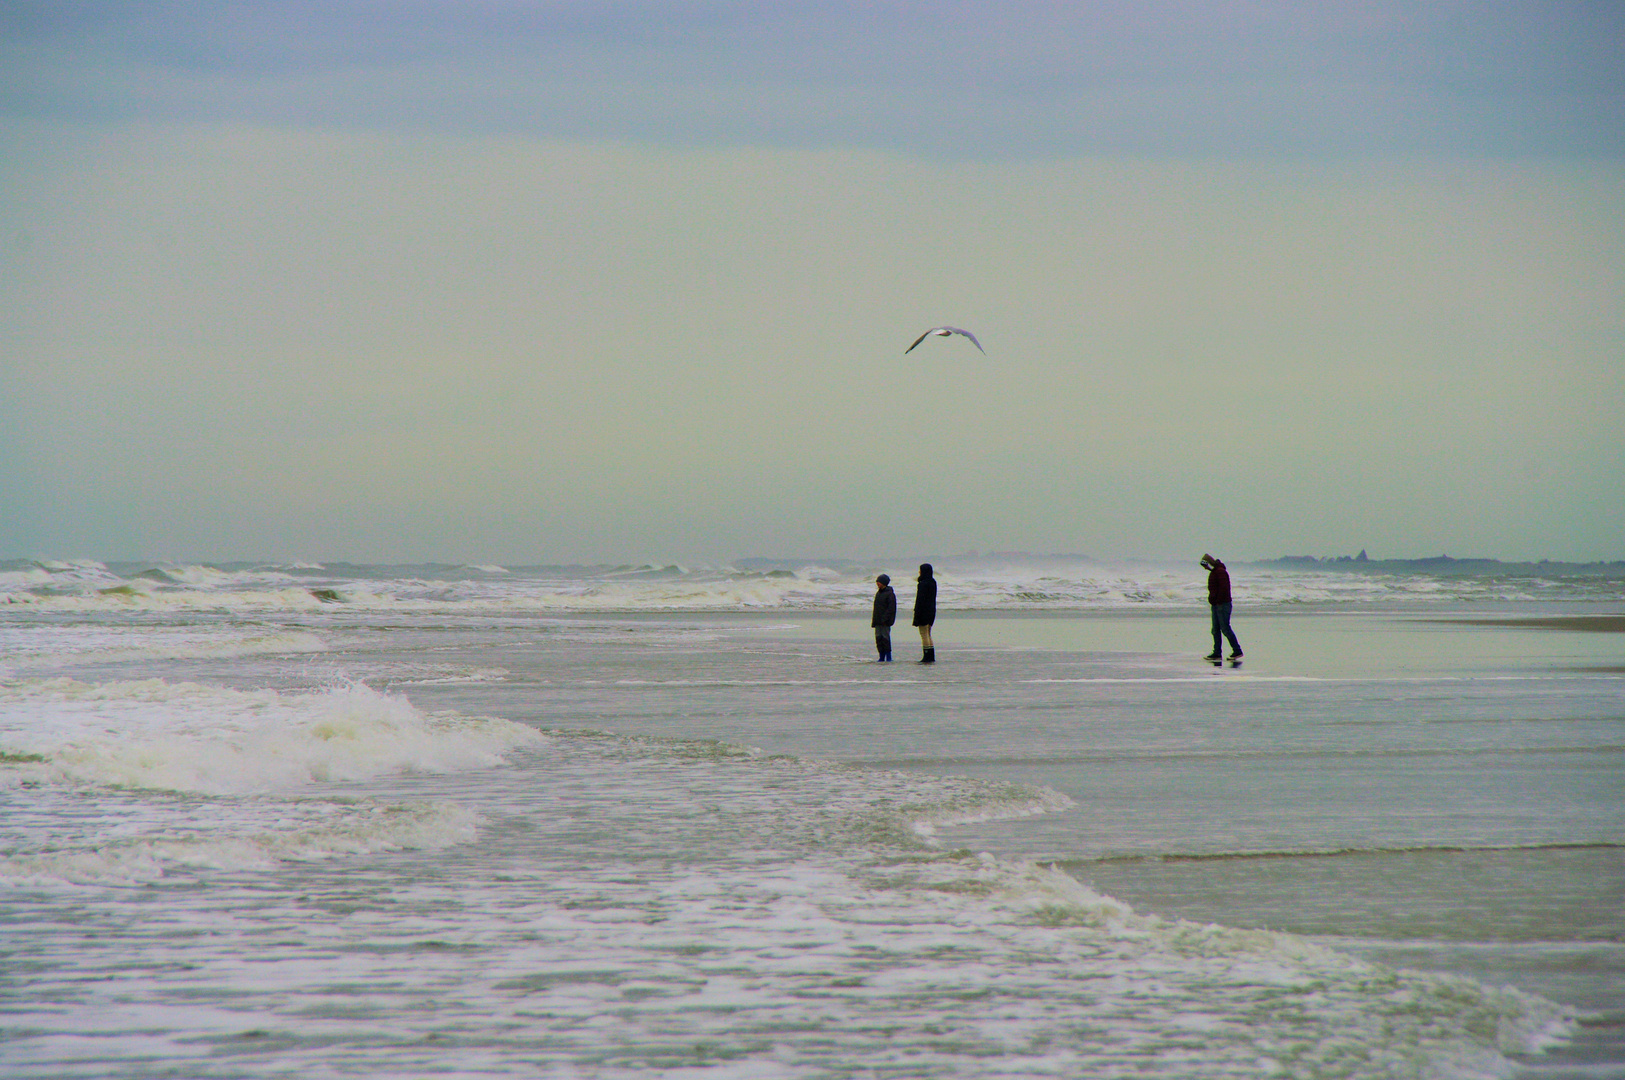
(885, 615)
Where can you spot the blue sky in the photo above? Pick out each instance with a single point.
(624, 281)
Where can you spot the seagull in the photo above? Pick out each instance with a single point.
(944, 331)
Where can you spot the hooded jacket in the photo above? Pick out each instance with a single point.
(1218, 584)
(925, 600)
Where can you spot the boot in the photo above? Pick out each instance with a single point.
(930, 656)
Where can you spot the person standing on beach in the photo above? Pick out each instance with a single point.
(925, 612)
(1218, 597)
(885, 615)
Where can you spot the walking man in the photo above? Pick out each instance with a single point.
(1218, 596)
(885, 615)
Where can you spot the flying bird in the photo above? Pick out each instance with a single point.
(944, 331)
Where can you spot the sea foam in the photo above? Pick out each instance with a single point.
(143, 840)
(202, 777)
(156, 734)
(979, 584)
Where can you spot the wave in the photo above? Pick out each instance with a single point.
(62, 646)
(151, 840)
(1340, 853)
(125, 781)
(976, 913)
(153, 734)
(1192, 754)
(1386, 1017)
(793, 895)
(986, 585)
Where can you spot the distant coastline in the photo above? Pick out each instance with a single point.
(1445, 565)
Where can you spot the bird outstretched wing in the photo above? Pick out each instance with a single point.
(921, 338)
(944, 331)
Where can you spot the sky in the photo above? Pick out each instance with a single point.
(626, 281)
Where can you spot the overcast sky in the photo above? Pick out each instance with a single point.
(632, 281)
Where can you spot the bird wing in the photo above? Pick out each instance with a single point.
(972, 337)
(921, 338)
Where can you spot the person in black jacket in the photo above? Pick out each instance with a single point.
(1218, 597)
(885, 615)
(925, 612)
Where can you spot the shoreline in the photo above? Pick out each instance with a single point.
(1591, 624)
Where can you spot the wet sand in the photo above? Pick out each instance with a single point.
(1595, 624)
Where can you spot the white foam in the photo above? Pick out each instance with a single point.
(989, 585)
(186, 775)
(1445, 1014)
(131, 845)
(36, 648)
(723, 898)
(188, 737)
(68, 566)
(998, 802)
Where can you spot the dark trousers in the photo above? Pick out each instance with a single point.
(1221, 625)
(883, 641)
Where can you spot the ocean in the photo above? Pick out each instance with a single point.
(409, 821)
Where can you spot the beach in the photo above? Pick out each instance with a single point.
(386, 821)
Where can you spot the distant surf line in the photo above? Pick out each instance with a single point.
(1338, 853)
